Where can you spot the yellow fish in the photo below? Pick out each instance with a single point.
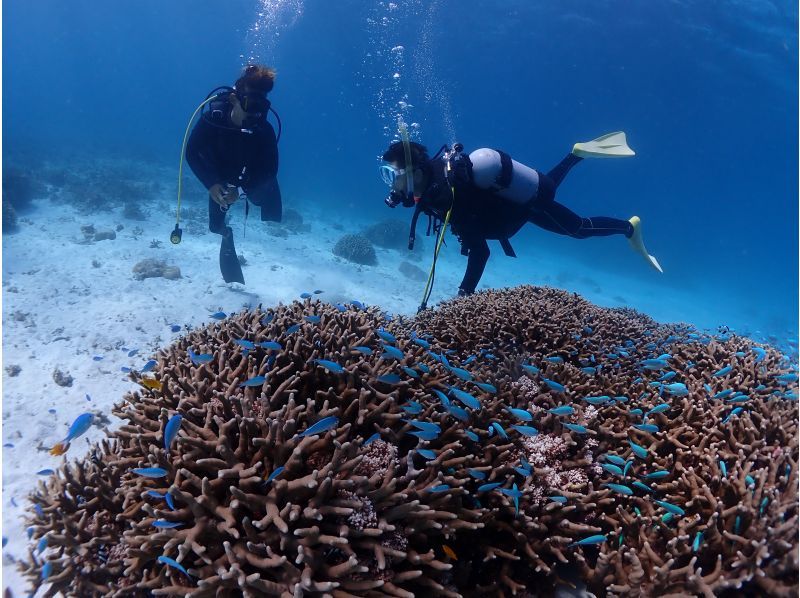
(59, 448)
(449, 552)
(151, 383)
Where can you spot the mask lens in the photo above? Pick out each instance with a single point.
(389, 174)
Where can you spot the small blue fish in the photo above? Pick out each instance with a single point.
(462, 374)
(340, 307)
(151, 472)
(218, 315)
(47, 570)
(723, 372)
(723, 394)
(171, 430)
(697, 539)
(559, 499)
(562, 410)
(554, 386)
(591, 540)
(8, 445)
(424, 368)
(172, 563)
(554, 359)
(649, 428)
(412, 407)
(661, 408)
(619, 488)
(749, 481)
(656, 475)
(677, 389)
(440, 488)
(478, 475)
(627, 468)
(425, 426)
(391, 352)
(638, 450)
(654, 364)
(389, 379)
(589, 370)
(674, 509)
(763, 505)
(132, 352)
(520, 414)
(499, 429)
(170, 501)
(79, 427)
(148, 367)
(616, 459)
(471, 435)
(486, 387)
(470, 359)
(489, 487)
(275, 473)
(166, 524)
(45, 472)
(515, 494)
(256, 381)
(667, 376)
(636, 412)
(529, 431)
(736, 411)
(576, 428)
(125, 369)
(97, 358)
(41, 545)
(271, 345)
(313, 319)
(465, 398)
(760, 354)
(531, 369)
(421, 342)
(155, 494)
(738, 399)
(786, 378)
(331, 366)
(611, 468)
(371, 439)
(322, 426)
(386, 336)
(364, 350)
(197, 358)
(292, 329)
(597, 400)
(318, 292)
(427, 453)
(410, 372)
(175, 328)
(305, 295)
(245, 343)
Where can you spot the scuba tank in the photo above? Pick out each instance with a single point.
(496, 171)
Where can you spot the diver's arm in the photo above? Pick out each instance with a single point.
(198, 155)
(476, 262)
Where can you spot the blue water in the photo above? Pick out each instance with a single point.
(706, 91)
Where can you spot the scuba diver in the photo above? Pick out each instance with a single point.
(489, 196)
(233, 146)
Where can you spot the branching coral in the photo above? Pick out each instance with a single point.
(473, 450)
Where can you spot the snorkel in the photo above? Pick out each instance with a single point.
(401, 126)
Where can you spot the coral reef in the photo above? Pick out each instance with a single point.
(153, 268)
(356, 248)
(328, 452)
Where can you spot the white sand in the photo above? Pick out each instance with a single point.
(65, 302)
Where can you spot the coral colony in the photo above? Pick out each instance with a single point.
(482, 448)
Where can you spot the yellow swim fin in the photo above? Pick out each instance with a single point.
(612, 145)
(638, 244)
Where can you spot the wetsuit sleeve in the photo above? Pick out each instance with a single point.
(199, 155)
(476, 262)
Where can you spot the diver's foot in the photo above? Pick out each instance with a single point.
(637, 243)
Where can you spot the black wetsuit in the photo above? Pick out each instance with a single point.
(480, 215)
(220, 153)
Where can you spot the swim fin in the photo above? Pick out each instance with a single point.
(612, 145)
(228, 260)
(638, 244)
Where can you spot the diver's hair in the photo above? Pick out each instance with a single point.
(396, 154)
(255, 77)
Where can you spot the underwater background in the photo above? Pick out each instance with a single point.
(707, 93)
(96, 100)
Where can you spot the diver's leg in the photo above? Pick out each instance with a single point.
(561, 169)
(267, 196)
(216, 218)
(229, 264)
(476, 262)
(559, 219)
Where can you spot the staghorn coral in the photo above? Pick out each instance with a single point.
(353, 515)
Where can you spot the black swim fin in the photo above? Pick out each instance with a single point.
(228, 260)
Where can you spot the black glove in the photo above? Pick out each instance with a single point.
(396, 198)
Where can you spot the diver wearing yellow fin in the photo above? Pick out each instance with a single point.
(489, 196)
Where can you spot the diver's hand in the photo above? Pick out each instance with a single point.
(223, 196)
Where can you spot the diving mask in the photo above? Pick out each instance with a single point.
(389, 174)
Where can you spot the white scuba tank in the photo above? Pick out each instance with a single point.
(497, 171)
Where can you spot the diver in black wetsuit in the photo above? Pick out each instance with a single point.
(231, 146)
(490, 197)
